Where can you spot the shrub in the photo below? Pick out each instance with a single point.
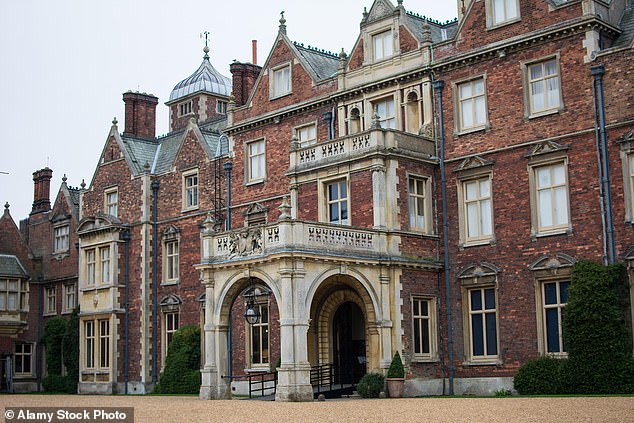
(57, 383)
(503, 393)
(370, 385)
(53, 335)
(595, 331)
(396, 369)
(70, 347)
(539, 376)
(182, 364)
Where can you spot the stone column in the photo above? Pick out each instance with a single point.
(378, 198)
(294, 373)
(386, 322)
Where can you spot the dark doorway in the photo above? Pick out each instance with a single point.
(348, 336)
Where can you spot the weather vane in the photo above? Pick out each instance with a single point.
(206, 34)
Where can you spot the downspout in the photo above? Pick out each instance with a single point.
(155, 185)
(597, 142)
(228, 166)
(438, 87)
(40, 348)
(126, 279)
(328, 117)
(598, 72)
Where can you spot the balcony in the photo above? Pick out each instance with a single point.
(358, 146)
(293, 236)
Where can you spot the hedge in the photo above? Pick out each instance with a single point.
(182, 364)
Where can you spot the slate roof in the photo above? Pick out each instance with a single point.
(205, 79)
(627, 26)
(160, 154)
(415, 24)
(10, 266)
(322, 64)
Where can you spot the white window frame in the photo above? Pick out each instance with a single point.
(111, 207)
(255, 161)
(13, 291)
(487, 357)
(171, 323)
(413, 203)
(191, 192)
(22, 356)
(50, 300)
(88, 344)
(480, 201)
(507, 5)
(382, 44)
(105, 265)
(428, 321)
(555, 228)
(327, 201)
(473, 99)
(283, 87)
(306, 129)
(389, 120)
(70, 298)
(104, 346)
(261, 327)
(91, 266)
(530, 110)
(172, 260)
(61, 238)
(542, 308)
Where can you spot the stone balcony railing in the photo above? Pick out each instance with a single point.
(297, 236)
(349, 147)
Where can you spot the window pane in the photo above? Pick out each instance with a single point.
(465, 90)
(417, 335)
(536, 71)
(552, 330)
(545, 209)
(476, 300)
(485, 188)
(537, 95)
(550, 293)
(466, 110)
(559, 175)
(344, 212)
(480, 111)
(511, 9)
(552, 88)
(471, 190)
(563, 292)
(472, 220)
(561, 205)
(426, 341)
(334, 212)
(550, 67)
(478, 87)
(477, 335)
(256, 344)
(492, 343)
(489, 299)
(485, 217)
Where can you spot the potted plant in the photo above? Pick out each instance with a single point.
(395, 377)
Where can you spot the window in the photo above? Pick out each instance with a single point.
(543, 87)
(472, 112)
(190, 190)
(49, 297)
(501, 11)
(477, 209)
(13, 295)
(69, 298)
(89, 344)
(256, 161)
(185, 108)
(337, 202)
(221, 107)
(104, 256)
(281, 81)
(171, 326)
(60, 239)
(260, 337)
(90, 267)
(306, 134)
(171, 261)
(483, 323)
(104, 344)
(112, 202)
(551, 198)
(382, 45)
(554, 298)
(418, 204)
(23, 360)
(423, 312)
(385, 109)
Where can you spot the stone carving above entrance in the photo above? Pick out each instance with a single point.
(245, 243)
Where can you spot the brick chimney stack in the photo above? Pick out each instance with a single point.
(140, 115)
(42, 190)
(244, 76)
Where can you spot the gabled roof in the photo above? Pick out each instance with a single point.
(320, 63)
(71, 196)
(10, 266)
(439, 31)
(627, 26)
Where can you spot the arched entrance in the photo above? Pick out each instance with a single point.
(348, 343)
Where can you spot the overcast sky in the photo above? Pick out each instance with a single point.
(65, 64)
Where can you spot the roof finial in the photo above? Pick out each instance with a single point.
(114, 121)
(6, 208)
(83, 184)
(282, 23)
(365, 13)
(206, 48)
(64, 179)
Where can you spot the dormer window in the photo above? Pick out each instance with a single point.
(281, 81)
(185, 108)
(382, 45)
(502, 11)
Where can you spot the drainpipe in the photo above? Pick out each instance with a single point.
(228, 166)
(598, 72)
(328, 117)
(126, 279)
(438, 87)
(155, 187)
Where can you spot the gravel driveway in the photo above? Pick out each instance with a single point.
(163, 409)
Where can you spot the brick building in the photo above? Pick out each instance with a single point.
(38, 279)
(426, 193)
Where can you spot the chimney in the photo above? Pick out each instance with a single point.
(244, 76)
(140, 115)
(42, 190)
(254, 51)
